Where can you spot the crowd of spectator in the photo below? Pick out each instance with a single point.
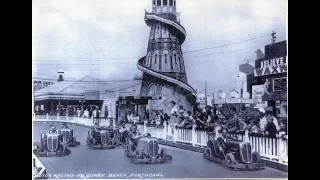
(264, 124)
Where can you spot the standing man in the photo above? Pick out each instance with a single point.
(263, 119)
(129, 117)
(96, 115)
(173, 115)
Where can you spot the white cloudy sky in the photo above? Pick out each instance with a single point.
(105, 38)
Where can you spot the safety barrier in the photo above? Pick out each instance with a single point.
(273, 149)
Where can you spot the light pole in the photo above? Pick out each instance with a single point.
(241, 90)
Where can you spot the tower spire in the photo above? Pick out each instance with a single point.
(163, 67)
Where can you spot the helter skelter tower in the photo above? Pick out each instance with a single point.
(164, 73)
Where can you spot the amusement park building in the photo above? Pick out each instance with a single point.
(270, 77)
(113, 97)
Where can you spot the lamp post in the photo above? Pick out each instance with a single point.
(241, 90)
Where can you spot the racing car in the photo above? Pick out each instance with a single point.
(51, 144)
(103, 138)
(67, 136)
(233, 153)
(146, 151)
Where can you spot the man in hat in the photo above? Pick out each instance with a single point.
(96, 115)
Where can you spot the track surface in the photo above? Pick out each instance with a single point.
(91, 163)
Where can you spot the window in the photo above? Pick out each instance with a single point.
(165, 2)
(158, 30)
(165, 58)
(155, 59)
(170, 2)
(175, 59)
(154, 2)
(180, 63)
(150, 61)
(160, 62)
(171, 65)
(174, 4)
(158, 2)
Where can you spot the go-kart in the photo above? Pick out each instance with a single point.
(67, 137)
(51, 144)
(233, 154)
(103, 138)
(146, 151)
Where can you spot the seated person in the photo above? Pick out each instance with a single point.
(52, 130)
(133, 136)
(123, 130)
(223, 140)
(111, 128)
(96, 132)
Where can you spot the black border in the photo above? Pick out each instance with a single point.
(18, 42)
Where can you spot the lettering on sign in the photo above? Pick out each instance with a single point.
(233, 100)
(248, 101)
(219, 101)
(271, 66)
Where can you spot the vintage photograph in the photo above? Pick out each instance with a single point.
(159, 89)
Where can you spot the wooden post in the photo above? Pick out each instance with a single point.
(246, 136)
(194, 135)
(158, 132)
(164, 131)
(145, 127)
(216, 130)
(47, 116)
(67, 117)
(175, 133)
(57, 116)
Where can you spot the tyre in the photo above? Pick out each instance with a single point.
(230, 159)
(163, 153)
(256, 158)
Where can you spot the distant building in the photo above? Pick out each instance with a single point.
(40, 82)
(114, 98)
